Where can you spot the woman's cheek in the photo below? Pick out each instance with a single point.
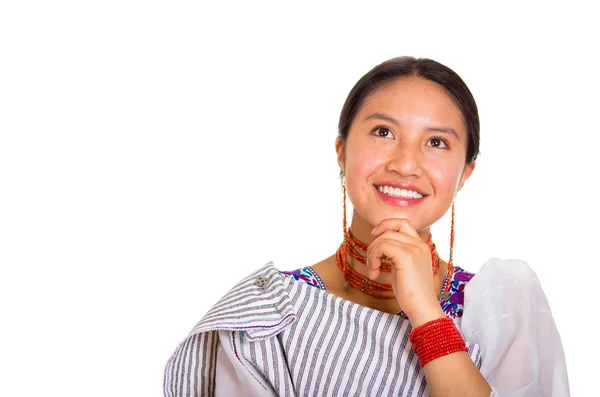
(444, 180)
(366, 161)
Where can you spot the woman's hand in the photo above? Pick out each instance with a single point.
(412, 279)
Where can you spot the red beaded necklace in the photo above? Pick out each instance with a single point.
(368, 286)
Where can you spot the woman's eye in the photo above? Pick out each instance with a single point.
(438, 142)
(383, 132)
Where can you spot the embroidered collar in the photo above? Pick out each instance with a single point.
(260, 305)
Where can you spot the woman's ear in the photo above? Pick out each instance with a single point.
(466, 174)
(339, 149)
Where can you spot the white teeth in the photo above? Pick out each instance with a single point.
(397, 192)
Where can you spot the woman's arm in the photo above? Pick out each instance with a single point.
(412, 282)
(191, 369)
(506, 313)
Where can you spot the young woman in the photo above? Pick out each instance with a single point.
(385, 315)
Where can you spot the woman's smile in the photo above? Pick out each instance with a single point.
(401, 195)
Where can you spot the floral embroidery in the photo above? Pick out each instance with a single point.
(306, 274)
(452, 306)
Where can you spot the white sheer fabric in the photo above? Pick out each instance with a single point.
(507, 314)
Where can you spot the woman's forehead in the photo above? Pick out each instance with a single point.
(413, 99)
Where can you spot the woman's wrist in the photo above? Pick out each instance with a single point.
(422, 315)
(435, 339)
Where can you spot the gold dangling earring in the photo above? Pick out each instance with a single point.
(344, 256)
(451, 260)
(446, 286)
(344, 204)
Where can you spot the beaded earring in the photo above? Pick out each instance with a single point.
(344, 229)
(344, 204)
(451, 259)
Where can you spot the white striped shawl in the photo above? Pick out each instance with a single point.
(292, 339)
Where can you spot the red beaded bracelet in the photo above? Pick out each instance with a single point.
(435, 339)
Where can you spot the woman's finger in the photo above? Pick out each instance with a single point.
(400, 237)
(383, 248)
(397, 224)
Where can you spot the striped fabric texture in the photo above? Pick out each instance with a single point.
(298, 340)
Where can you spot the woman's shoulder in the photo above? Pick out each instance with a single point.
(504, 289)
(497, 276)
(514, 268)
(257, 305)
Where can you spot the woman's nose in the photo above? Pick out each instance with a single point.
(405, 161)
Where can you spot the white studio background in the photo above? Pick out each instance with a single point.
(154, 153)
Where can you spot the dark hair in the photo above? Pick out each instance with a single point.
(428, 69)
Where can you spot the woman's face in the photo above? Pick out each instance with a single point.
(405, 154)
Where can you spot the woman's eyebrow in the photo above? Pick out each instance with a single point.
(445, 130)
(390, 119)
(384, 117)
